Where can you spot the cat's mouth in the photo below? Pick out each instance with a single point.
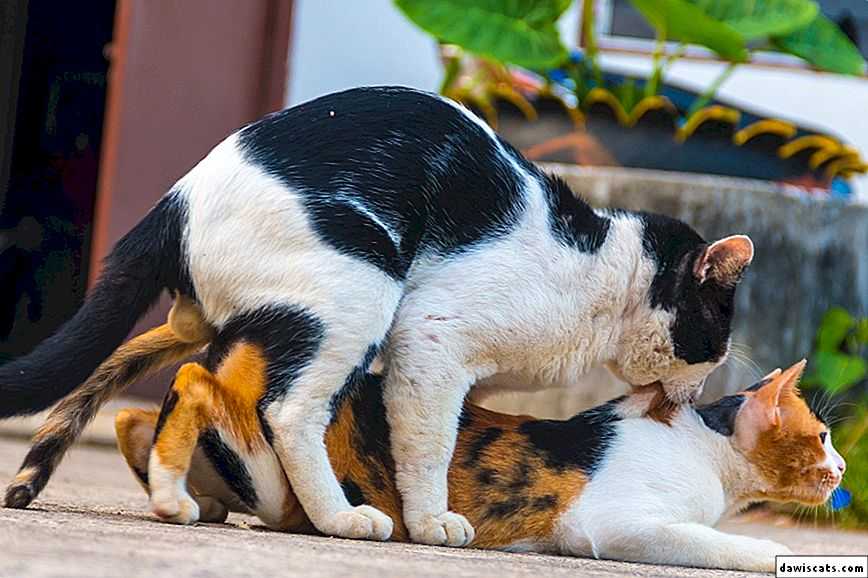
(820, 493)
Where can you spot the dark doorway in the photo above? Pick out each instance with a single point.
(46, 217)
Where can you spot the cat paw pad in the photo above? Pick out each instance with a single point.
(360, 523)
(446, 529)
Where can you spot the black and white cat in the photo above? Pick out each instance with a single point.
(392, 222)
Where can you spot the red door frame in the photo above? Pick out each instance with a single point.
(182, 76)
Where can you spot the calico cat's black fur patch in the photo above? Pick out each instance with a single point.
(579, 442)
(372, 433)
(482, 441)
(356, 380)
(759, 384)
(720, 415)
(168, 406)
(229, 466)
(703, 311)
(353, 492)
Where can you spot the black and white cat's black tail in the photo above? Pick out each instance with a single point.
(147, 260)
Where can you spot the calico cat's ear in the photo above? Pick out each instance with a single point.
(762, 409)
(724, 260)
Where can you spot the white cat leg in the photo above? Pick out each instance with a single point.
(424, 394)
(689, 544)
(302, 408)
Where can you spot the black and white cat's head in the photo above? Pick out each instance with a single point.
(680, 330)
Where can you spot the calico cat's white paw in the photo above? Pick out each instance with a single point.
(180, 510)
(360, 523)
(760, 557)
(447, 529)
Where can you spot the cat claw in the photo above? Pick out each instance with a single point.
(446, 529)
(360, 523)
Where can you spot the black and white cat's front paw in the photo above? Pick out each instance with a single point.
(446, 529)
(358, 523)
(759, 556)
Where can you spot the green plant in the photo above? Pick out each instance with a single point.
(524, 33)
(839, 368)
(838, 362)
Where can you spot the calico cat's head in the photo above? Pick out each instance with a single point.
(789, 448)
(680, 331)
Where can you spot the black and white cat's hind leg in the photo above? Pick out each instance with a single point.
(311, 358)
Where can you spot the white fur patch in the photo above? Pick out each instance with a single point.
(657, 494)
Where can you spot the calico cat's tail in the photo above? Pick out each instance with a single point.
(144, 262)
(185, 334)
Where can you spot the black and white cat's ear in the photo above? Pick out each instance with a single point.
(725, 260)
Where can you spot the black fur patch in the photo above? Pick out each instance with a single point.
(546, 502)
(230, 466)
(703, 311)
(486, 476)
(353, 492)
(43, 457)
(142, 475)
(169, 403)
(372, 433)
(289, 337)
(356, 380)
(485, 439)
(521, 477)
(369, 161)
(144, 262)
(759, 384)
(506, 508)
(579, 442)
(720, 415)
(573, 221)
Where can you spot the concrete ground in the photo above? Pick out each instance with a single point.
(92, 521)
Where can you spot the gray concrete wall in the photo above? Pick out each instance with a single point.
(811, 254)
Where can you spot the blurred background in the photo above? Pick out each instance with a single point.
(741, 117)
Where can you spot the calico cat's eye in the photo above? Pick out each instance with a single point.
(823, 435)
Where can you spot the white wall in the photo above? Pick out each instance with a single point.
(338, 44)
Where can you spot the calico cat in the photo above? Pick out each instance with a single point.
(319, 230)
(638, 478)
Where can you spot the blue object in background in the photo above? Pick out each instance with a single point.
(841, 498)
(840, 188)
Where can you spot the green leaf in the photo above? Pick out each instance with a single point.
(681, 20)
(520, 32)
(837, 372)
(861, 332)
(833, 329)
(760, 18)
(822, 44)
